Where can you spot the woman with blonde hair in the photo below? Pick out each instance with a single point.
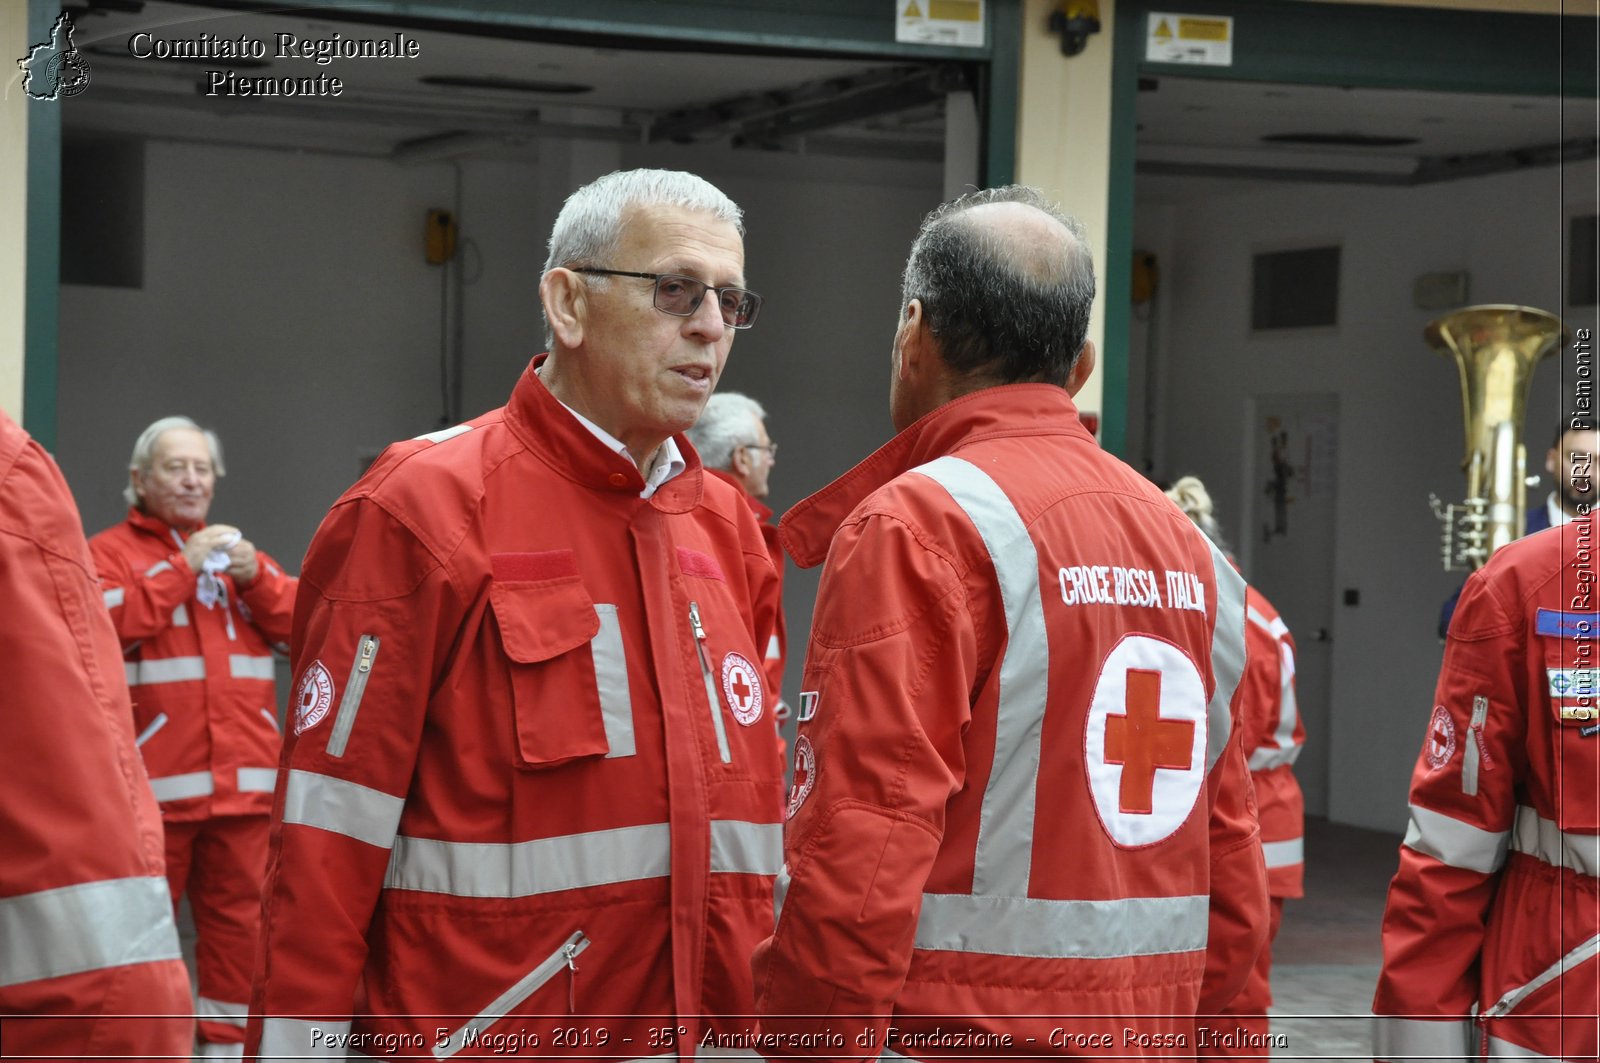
(1273, 737)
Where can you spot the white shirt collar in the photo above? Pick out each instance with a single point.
(1558, 516)
(669, 459)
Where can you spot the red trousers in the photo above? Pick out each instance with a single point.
(1240, 1030)
(221, 864)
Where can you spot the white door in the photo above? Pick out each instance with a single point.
(1286, 549)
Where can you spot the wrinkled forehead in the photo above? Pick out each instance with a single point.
(180, 443)
(671, 239)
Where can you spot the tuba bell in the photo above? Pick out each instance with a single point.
(1496, 349)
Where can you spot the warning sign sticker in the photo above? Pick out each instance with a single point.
(950, 22)
(1174, 38)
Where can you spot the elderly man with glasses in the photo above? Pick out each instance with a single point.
(731, 437)
(532, 776)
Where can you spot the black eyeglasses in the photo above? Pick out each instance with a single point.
(680, 296)
(770, 448)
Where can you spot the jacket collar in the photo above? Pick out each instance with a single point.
(762, 511)
(1008, 410)
(156, 526)
(544, 426)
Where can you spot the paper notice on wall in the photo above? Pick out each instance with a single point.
(950, 22)
(1174, 38)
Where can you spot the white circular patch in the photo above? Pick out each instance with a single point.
(741, 685)
(1145, 740)
(1441, 738)
(313, 697)
(805, 775)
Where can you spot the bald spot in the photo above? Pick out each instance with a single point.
(1029, 241)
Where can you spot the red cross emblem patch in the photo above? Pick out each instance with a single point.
(313, 698)
(741, 685)
(805, 775)
(1441, 738)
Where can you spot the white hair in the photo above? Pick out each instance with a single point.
(729, 421)
(144, 447)
(1192, 497)
(590, 225)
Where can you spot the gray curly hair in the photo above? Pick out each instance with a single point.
(727, 423)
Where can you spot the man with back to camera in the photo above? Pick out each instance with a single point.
(90, 966)
(1491, 928)
(1020, 806)
(532, 776)
(199, 611)
(731, 437)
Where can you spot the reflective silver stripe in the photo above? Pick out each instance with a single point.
(355, 688)
(774, 651)
(208, 1010)
(1395, 1039)
(257, 780)
(1580, 954)
(746, 848)
(611, 675)
(468, 1036)
(1004, 855)
(445, 433)
(1258, 618)
(160, 566)
(179, 787)
(1500, 1048)
(149, 732)
(1268, 757)
(113, 597)
(523, 869)
(1227, 653)
(1453, 842)
(780, 890)
(343, 807)
(270, 718)
(287, 1039)
(1285, 854)
(165, 670)
(87, 927)
(180, 616)
(1288, 704)
(243, 666)
(1048, 929)
(1541, 839)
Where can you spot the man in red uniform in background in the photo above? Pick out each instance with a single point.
(1021, 814)
(199, 611)
(1496, 905)
(532, 776)
(731, 437)
(89, 960)
(1273, 738)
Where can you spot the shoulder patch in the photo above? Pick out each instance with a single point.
(805, 775)
(1441, 738)
(313, 697)
(1558, 624)
(741, 685)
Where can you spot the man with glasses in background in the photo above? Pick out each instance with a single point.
(531, 771)
(731, 437)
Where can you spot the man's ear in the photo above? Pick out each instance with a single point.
(913, 347)
(1081, 368)
(566, 305)
(739, 462)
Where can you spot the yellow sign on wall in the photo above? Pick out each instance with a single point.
(1176, 38)
(951, 22)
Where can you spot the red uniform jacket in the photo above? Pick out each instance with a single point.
(1273, 737)
(1496, 902)
(1019, 792)
(533, 774)
(86, 930)
(776, 654)
(204, 700)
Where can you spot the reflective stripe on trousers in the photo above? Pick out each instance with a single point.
(1285, 853)
(87, 927)
(202, 784)
(999, 918)
(1448, 1039)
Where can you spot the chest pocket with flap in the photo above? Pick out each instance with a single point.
(568, 671)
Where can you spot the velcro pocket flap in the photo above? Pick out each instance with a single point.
(539, 621)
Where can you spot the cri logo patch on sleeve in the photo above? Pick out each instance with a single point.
(1441, 738)
(741, 685)
(313, 697)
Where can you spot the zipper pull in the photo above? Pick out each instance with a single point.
(694, 620)
(369, 646)
(570, 951)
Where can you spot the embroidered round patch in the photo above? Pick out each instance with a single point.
(313, 697)
(741, 685)
(805, 775)
(1441, 738)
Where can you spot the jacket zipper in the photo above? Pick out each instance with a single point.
(531, 983)
(711, 686)
(1471, 755)
(1517, 995)
(151, 728)
(354, 689)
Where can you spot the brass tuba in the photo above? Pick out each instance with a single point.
(1496, 349)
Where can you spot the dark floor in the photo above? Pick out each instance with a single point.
(1325, 961)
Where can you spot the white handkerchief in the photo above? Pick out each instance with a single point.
(209, 588)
